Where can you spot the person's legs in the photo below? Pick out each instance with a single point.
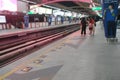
(48, 23)
(113, 29)
(90, 29)
(93, 30)
(109, 28)
(26, 25)
(82, 30)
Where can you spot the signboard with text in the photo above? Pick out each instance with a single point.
(2, 19)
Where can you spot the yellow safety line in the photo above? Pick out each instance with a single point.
(29, 61)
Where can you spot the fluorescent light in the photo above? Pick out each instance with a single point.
(119, 6)
(28, 1)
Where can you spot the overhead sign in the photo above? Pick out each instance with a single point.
(96, 8)
(40, 10)
(30, 12)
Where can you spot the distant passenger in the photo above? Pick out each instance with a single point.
(49, 20)
(26, 21)
(83, 24)
(36, 18)
(91, 26)
(62, 19)
(55, 20)
(69, 19)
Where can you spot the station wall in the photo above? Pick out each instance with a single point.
(22, 6)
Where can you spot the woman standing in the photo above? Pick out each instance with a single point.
(91, 26)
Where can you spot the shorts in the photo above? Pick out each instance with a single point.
(91, 28)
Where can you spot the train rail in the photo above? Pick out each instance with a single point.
(20, 45)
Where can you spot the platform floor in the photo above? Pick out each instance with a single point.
(16, 30)
(71, 58)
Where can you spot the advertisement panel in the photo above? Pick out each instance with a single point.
(10, 5)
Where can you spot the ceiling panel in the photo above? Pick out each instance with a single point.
(71, 5)
(68, 3)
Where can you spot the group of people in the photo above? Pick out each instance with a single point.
(52, 17)
(90, 22)
(62, 19)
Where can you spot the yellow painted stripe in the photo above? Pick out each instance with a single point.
(29, 61)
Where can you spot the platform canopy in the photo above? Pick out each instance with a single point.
(79, 6)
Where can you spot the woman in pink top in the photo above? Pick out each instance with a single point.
(91, 26)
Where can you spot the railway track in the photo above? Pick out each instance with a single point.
(10, 51)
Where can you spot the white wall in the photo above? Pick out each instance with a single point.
(22, 6)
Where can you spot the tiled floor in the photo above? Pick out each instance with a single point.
(71, 58)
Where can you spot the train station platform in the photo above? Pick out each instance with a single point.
(17, 30)
(73, 57)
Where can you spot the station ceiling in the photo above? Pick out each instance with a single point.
(73, 5)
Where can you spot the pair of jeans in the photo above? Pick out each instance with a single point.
(49, 23)
(26, 24)
(111, 29)
(83, 29)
